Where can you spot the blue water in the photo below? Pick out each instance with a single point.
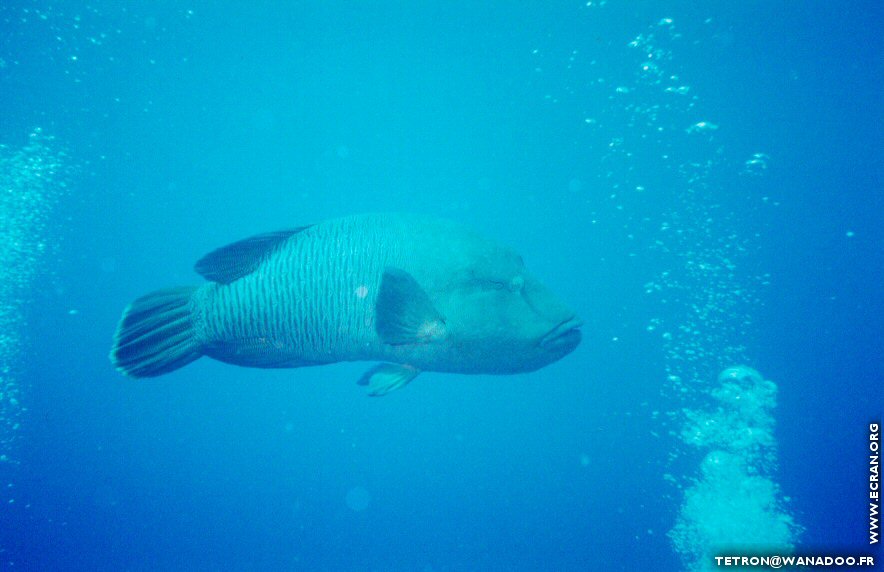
(751, 188)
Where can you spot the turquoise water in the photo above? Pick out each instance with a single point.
(700, 182)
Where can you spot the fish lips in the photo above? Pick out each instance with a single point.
(565, 336)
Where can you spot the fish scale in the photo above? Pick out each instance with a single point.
(312, 308)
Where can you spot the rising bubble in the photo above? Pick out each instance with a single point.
(358, 499)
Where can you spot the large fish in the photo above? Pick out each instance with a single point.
(418, 293)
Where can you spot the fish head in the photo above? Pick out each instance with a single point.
(501, 319)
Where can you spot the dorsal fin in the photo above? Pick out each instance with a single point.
(236, 260)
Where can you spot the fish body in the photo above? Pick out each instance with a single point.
(416, 292)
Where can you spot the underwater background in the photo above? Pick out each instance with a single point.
(700, 181)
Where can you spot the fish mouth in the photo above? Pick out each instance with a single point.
(566, 333)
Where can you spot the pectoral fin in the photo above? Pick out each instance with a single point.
(404, 312)
(386, 377)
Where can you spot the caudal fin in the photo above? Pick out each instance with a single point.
(156, 334)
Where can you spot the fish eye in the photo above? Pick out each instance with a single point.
(498, 285)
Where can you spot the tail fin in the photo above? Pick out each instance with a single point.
(156, 334)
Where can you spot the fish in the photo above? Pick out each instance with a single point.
(414, 292)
